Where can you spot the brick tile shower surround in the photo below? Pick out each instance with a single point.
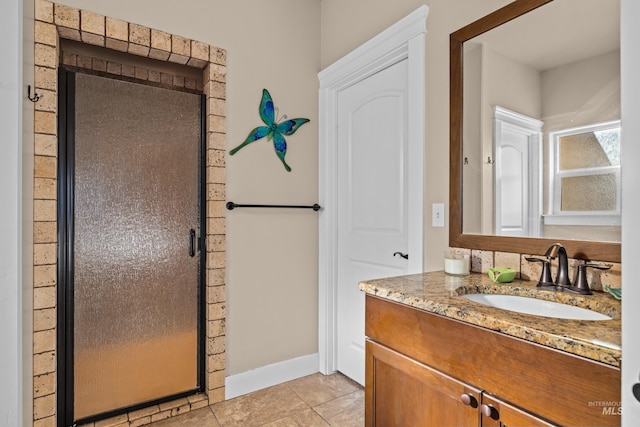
(54, 22)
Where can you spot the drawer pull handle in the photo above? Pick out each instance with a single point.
(490, 411)
(468, 399)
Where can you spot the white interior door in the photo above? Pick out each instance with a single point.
(517, 142)
(372, 200)
(512, 185)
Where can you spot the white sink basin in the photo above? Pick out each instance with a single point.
(536, 307)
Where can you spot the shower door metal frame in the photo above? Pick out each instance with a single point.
(65, 267)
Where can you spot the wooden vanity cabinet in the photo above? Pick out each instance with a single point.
(423, 369)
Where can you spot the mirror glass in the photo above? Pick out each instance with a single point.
(541, 131)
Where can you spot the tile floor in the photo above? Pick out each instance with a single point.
(313, 401)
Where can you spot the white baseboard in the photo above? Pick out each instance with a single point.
(267, 376)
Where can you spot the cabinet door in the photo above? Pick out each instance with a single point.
(498, 413)
(402, 392)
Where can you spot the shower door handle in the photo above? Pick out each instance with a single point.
(192, 242)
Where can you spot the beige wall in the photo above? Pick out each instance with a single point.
(341, 33)
(282, 45)
(472, 148)
(271, 256)
(508, 84)
(499, 81)
(582, 93)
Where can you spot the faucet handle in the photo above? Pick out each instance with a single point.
(580, 284)
(545, 277)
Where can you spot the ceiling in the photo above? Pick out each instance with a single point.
(558, 33)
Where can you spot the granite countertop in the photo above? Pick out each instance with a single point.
(439, 293)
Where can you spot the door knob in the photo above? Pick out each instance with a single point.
(636, 391)
(405, 256)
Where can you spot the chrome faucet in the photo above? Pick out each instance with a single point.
(558, 251)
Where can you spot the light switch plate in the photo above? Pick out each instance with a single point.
(437, 215)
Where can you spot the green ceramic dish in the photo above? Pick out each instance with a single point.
(615, 292)
(501, 275)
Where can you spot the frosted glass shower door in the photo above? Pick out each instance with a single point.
(135, 256)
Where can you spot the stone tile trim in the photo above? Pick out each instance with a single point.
(98, 30)
(52, 22)
(100, 66)
(154, 413)
(482, 261)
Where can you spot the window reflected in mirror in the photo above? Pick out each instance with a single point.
(585, 185)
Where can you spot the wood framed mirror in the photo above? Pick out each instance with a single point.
(459, 235)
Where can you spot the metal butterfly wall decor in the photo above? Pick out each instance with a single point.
(273, 130)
